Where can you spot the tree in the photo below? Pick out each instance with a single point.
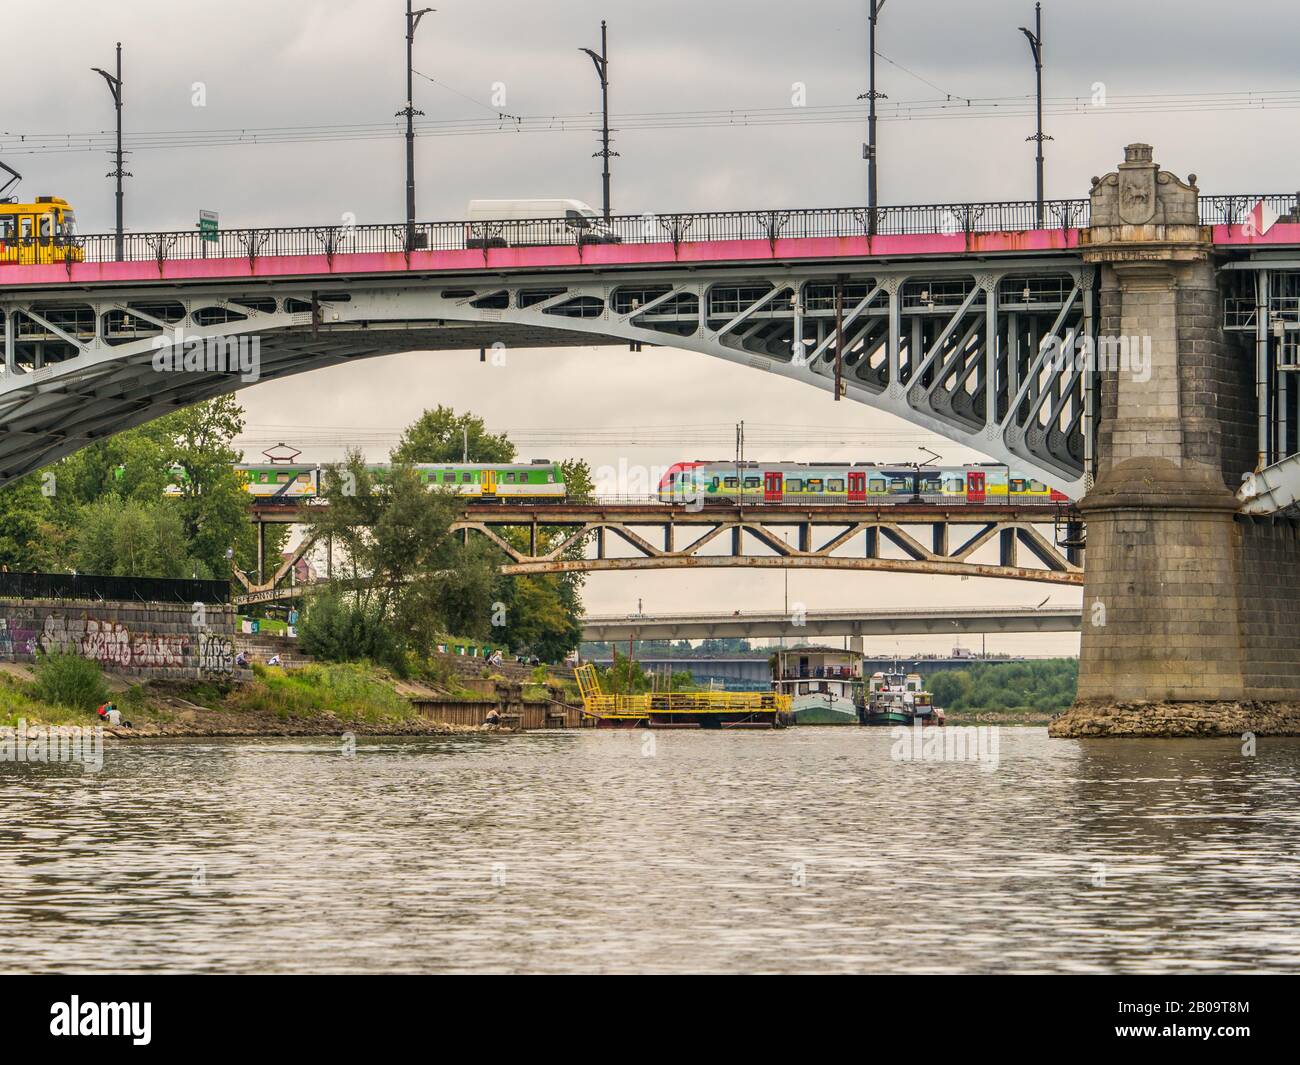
(213, 504)
(140, 465)
(441, 435)
(126, 538)
(540, 616)
(24, 510)
(337, 628)
(398, 549)
(579, 487)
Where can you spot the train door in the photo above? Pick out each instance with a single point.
(26, 239)
(857, 486)
(773, 487)
(975, 487)
(489, 482)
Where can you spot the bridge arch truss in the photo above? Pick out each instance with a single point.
(962, 347)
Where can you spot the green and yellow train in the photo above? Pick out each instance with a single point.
(503, 481)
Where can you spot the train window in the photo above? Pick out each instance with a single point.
(47, 225)
(751, 482)
(1037, 486)
(304, 478)
(899, 484)
(26, 221)
(876, 484)
(8, 227)
(795, 484)
(815, 484)
(550, 478)
(281, 478)
(510, 478)
(931, 484)
(730, 482)
(837, 484)
(1017, 484)
(466, 478)
(955, 484)
(715, 483)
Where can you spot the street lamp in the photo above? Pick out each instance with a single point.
(1036, 48)
(601, 62)
(115, 87)
(869, 149)
(412, 24)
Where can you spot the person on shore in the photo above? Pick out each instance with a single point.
(493, 719)
(110, 715)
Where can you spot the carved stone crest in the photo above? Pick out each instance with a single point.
(1137, 186)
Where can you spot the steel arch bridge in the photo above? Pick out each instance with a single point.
(946, 332)
(953, 317)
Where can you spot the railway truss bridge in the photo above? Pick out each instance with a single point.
(1019, 542)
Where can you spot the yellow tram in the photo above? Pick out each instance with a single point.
(39, 233)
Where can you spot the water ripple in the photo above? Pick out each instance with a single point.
(804, 851)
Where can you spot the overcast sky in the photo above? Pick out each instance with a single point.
(336, 62)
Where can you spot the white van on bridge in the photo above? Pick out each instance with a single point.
(521, 223)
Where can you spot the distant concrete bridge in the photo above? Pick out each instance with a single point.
(807, 625)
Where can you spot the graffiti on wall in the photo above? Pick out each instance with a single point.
(110, 643)
(216, 653)
(18, 633)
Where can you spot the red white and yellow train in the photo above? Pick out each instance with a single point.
(838, 482)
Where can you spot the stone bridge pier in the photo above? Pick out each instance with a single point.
(1191, 612)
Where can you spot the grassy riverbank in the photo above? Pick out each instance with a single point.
(314, 700)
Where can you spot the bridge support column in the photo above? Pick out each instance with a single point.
(1191, 615)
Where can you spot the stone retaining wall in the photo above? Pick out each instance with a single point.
(149, 640)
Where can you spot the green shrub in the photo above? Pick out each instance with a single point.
(71, 681)
(335, 629)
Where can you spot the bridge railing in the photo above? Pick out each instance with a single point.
(677, 228)
(1233, 210)
(662, 228)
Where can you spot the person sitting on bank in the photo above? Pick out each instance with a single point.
(110, 715)
(493, 719)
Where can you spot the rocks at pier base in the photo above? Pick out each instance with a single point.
(1087, 719)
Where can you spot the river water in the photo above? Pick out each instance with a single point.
(807, 850)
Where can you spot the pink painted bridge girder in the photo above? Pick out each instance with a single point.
(1280, 235)
(469, 261)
